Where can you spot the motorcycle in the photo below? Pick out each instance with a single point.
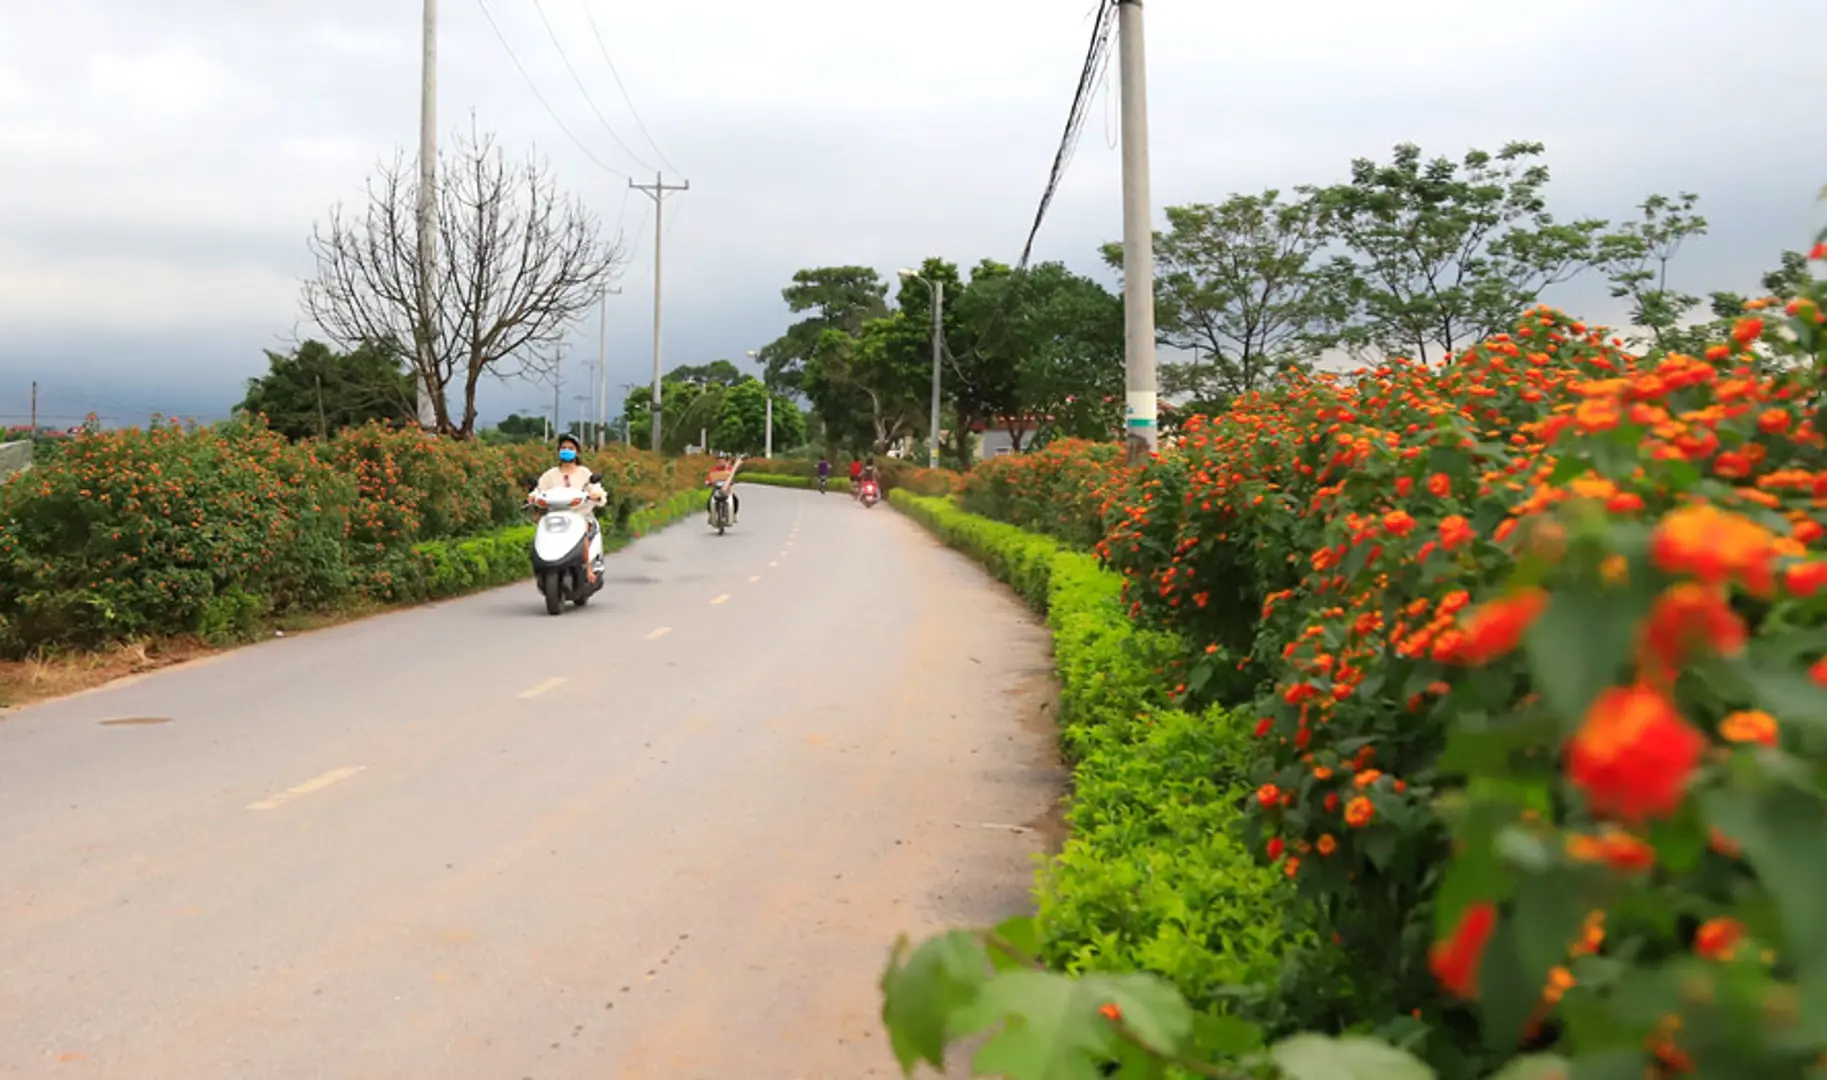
(566, 537)
(721, 518)
(870, 494)
(823, 483)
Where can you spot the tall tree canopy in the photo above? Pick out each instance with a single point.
(840, 298)
(1238, 284)
(316, 391)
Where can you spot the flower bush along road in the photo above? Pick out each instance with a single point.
(1539, 661)
(135, 533)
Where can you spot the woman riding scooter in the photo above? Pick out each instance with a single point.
(570, 472)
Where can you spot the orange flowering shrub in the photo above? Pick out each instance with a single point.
(130, 533)
(1065, 489)
(1539, 647)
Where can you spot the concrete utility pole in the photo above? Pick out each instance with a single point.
(428, 211)
(937, 288)
(34, 408)
(657, 191)
(602, 371)
(1141, 402)
(558, 363)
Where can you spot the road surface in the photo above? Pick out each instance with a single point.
(670, 835)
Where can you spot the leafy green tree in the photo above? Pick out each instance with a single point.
(840, 298)
(1789, 279)
(742, 424)
(316, 391)
(1636, 259)
(687, 408)
(1442, 253)
(1045, 347)
(1240, 282)
(720, 372)
(523, 428)
(867, 383)
(1069, 373)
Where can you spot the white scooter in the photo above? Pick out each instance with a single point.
(566, 536)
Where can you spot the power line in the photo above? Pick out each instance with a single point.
(1097, 56)
(578, 79)
(499, 36)
(610, 60)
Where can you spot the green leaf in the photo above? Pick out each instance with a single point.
(1054, 1030)
(1477, 873)
(1790, 697)
(1225, 1036)
(1576, 648)
(1506, 993)
(1548, 912)
(1487, 749)
(1534, 1067)
(1020, 933)
(1352, 1057)
(1610, 1065)
(924, 991)
(1779, 831)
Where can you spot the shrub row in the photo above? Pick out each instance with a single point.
(1154, 874)
(1537, 643)
(135, 533)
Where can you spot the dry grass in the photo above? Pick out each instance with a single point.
(55, 675)
(23, 682)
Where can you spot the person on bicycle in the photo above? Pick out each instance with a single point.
(824, 472)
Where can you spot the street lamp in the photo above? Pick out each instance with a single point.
(937, 288)
(768, 446)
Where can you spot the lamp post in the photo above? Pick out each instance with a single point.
(937, 288)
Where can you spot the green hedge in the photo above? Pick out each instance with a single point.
(1152, 876)
(782, 480)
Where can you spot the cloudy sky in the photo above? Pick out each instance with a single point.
(162, 161)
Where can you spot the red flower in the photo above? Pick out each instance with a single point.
(1497, 628)
(1634, 753)
(1717, 939)
(1456, 960)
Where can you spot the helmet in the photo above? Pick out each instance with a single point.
(567, 437)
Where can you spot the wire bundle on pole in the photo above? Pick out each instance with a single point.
(1097, 58)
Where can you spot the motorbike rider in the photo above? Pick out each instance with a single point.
(722, 474)
(856, 475)
(869, 474)
(571, 472)
(824, 470)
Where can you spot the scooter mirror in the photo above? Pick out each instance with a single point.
(596, 478)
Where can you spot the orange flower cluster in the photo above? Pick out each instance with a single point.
(1377, 553)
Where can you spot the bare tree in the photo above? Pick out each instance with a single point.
(519, 264)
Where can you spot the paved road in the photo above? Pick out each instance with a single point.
(668, 836)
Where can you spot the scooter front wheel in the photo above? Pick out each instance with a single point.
(552, 584)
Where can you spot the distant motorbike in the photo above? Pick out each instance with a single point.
(721, 517)
(565, 541)
(870, 494)
(823, 483)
